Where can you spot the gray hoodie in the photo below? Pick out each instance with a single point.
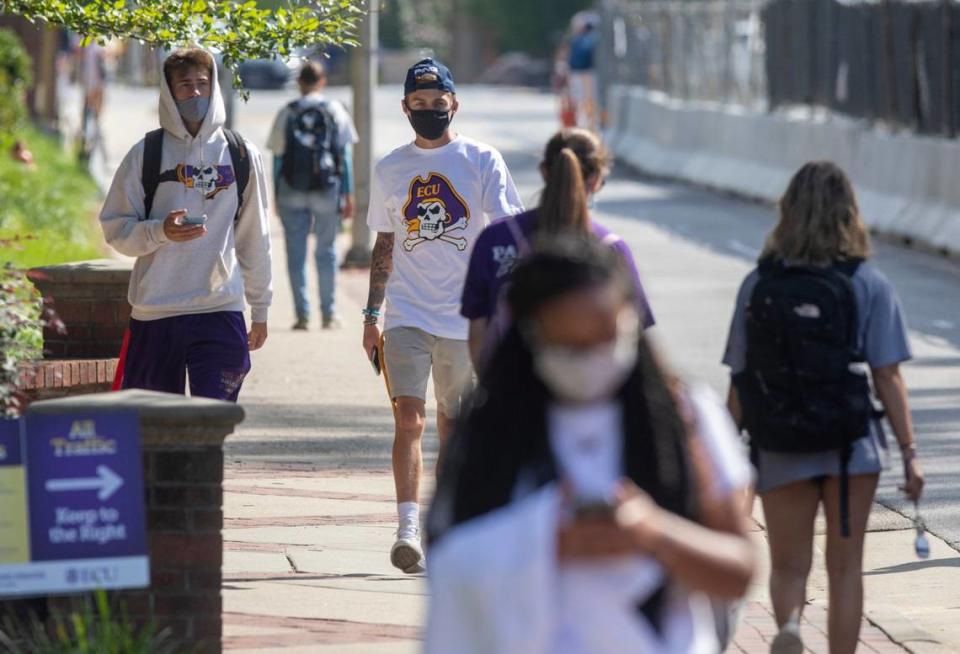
(216, 271)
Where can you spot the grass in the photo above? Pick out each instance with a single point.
(53, 206)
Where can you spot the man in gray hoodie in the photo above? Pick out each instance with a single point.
(190, 202)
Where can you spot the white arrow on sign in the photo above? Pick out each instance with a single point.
(106, 482)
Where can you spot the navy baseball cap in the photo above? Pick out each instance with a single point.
(428, 74)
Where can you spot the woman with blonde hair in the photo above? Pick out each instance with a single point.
(809, 321)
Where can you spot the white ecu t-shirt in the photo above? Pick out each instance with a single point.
(436, 202)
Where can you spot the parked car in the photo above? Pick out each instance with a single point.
(264, 73)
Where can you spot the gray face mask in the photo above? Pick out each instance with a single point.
(193, 110)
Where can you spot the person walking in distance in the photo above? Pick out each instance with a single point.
(429, 201)
(189, 202)
(311, 143)
(581, 63)
(809, 321)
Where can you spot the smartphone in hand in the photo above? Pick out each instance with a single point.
(593, 509)
(375, 359)
(195, 220)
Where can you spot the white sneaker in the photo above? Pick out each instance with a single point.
(407, 552)
(788, 640)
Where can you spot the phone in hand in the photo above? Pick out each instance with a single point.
(593, 509)
(375, 359)
(195, 220)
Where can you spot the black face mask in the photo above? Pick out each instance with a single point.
(430, 123)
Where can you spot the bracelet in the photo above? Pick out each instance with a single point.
(371, 321)
(375, 313)
(908, 451)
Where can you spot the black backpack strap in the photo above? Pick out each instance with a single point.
(150, 170)
(336, 146)
(848, 266)
(240, 159)
(769, 265)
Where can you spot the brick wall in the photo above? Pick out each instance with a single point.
(90, 298)
(184, 521)
(182, 441)
(44, 380)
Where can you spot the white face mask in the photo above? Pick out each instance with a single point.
(594, 374)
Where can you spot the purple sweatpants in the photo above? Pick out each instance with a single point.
(212, 347)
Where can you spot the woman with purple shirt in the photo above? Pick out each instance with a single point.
(574, 167)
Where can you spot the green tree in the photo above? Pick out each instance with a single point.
(239, 30)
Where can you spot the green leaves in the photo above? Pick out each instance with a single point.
(238, 30)
(16, 74)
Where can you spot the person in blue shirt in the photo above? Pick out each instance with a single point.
(583, 79)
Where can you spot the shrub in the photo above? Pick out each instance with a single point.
(93, 627)
(22, 319)
(15, 78)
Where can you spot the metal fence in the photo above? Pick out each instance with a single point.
(689, 49)
(895, 61)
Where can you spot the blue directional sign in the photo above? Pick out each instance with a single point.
(72, 501)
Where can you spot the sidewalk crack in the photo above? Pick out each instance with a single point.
(293, 564)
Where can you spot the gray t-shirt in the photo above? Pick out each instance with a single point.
(882, 333)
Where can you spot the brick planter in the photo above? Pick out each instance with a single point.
(90, 297)
(182, 441)
(45, 380)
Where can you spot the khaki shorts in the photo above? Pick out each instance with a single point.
(409, 355)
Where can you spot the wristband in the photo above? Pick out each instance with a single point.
(374, 313)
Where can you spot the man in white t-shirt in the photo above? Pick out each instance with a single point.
(429, 201)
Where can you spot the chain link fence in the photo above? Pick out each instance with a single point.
(689, 49)
(893, 61)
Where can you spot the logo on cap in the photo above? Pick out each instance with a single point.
(426, 74)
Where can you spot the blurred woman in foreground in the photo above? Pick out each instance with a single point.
(585, 505)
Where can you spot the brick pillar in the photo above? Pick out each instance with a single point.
(182, 441)
(90, 297)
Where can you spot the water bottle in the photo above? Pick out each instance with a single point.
(921, 544)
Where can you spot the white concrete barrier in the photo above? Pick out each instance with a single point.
(908, 185)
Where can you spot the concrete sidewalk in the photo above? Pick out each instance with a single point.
(309, 495)
(310, 515)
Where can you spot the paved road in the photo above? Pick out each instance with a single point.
(312, 403)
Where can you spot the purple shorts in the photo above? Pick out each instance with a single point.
(211, 347)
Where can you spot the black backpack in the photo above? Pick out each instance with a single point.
(311, 156)
(800, 391)
(153, 151)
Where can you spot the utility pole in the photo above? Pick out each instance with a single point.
(363, 69)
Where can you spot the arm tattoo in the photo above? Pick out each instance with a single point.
(380, 268)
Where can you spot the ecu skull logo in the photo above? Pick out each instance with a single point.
(433, 210)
